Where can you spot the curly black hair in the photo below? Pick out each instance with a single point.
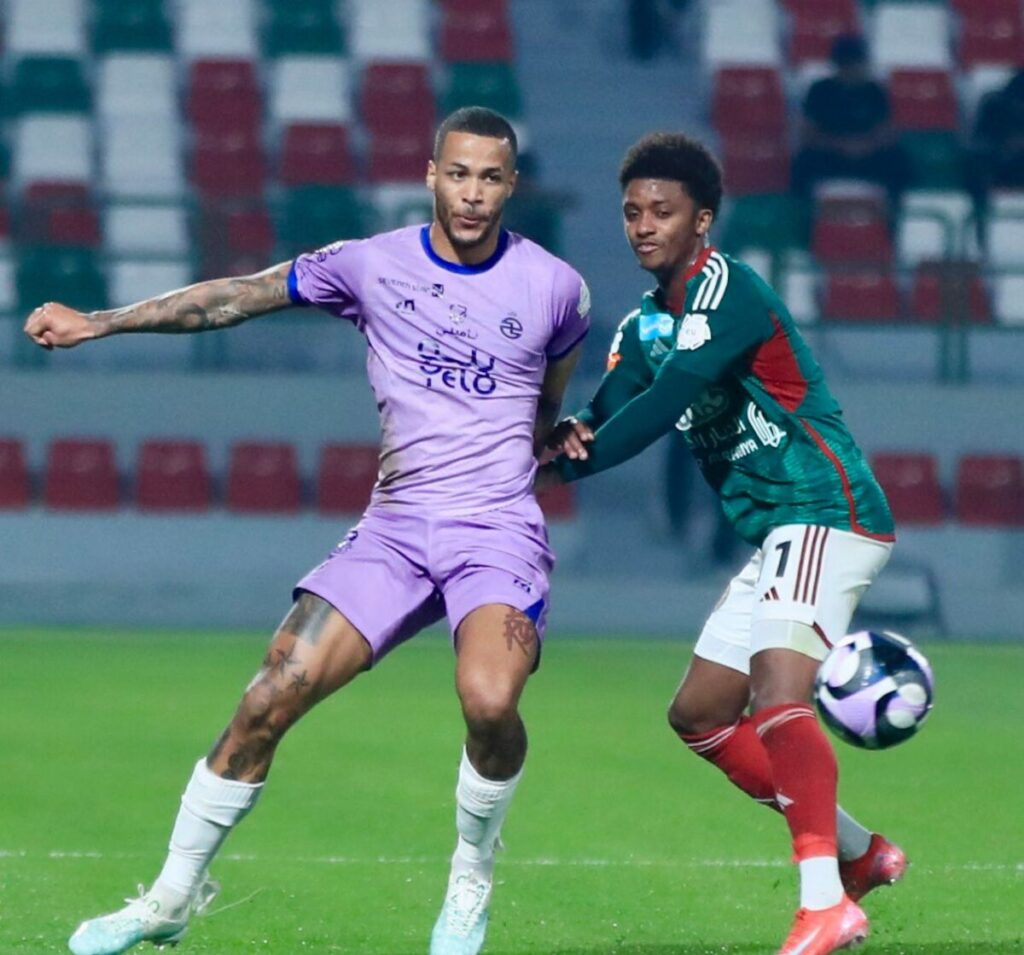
(480, 121)
(679, 158)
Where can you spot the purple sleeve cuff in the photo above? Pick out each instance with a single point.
(293, 287)
(565, 351)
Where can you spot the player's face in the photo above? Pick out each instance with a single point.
(471, 181)
(664, 226)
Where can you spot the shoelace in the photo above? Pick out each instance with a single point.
(465, 903)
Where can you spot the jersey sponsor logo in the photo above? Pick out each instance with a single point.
(768, 432)
(511, 327)
(583, 305)
(471, 376)
(708, 406)
(457, 314)
(405, 285)
(437, 290)
(405, 305)
(324, 252)
(655, 325)
(693, 332)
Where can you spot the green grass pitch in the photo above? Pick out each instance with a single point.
(619, 841)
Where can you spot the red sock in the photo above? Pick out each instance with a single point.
(804, 773)
(738, 752)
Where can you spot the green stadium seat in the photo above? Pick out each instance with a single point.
(769, 221)
(51, 84)
(936, 159)
(483, 84)
(314, 216)
(302, 26)
(131, 25)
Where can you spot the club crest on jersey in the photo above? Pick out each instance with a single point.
(655, 325)
(693, 332)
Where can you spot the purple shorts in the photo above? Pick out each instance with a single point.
(397, 572)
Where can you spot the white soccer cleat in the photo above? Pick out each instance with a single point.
(140, 921)
(461, 926)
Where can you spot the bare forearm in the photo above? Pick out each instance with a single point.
(219, 303)
(547, 418)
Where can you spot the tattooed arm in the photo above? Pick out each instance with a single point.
(219, 303)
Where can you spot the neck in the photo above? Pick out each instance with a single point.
(673, 284)
(474, 255)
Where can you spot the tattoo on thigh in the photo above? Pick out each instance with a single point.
(307, 617)
(520, 631)
(278, 658)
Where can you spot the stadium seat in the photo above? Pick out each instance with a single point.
(60, 274)
(773, 221)
(137, 25)
(81, 475)
(400, 157)
(345, 477)
(310, 89)
(210, 30)
(397, 98)
(314, 216)
(815, 24)
(748, 100)
(45, 27)
(172, 476)
(923, 99)
(991, 31)
(742, 33)
(755, 165)
(229, 165)
(936, 224)
(914, 35)
(55, 147)
(869, 296)
(990, 490)
(263, 477)
(58, 214)
(799, 287)
(493, 85)
(850, 232)
(146, 230)
(978, 81)
(394, 31)
(1004, 240)
(911, 483)
(936, 158)
(136, 84)
(302, 26)
(140, 158)
(224, 97)
(947, 291)
(48, 84)
(1008, 296)
(316, 154)
(15, 489)
(475, 32)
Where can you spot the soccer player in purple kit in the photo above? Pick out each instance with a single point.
(472, 334)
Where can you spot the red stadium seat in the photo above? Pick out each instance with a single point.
(991, 32)
(990, 490)
(851, 232)
(59, 214)
(816, 24)
(923, 99)
(263, 477)
(558, 503)
(345, 477)
(172, 476)
(475, 32)
(911, 483)
(81, 475)
(14, 483)
(862, 295)
(224, 96)
(250, 231)
(945, 290)
(755, 165)
(748, 101)
(399, 158)
(397, 98)
(317, 154)
(229, 164)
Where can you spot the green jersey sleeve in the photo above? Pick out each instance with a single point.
(627, 375)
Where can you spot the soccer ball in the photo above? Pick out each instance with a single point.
(874, 690)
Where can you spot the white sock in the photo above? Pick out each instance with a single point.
(820, 887)
(854, 840)
(210, 808)
(481, 805)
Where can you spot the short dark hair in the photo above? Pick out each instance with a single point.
(677, 157)
(849, 49)
(480, 121)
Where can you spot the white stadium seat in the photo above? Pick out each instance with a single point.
(54, 146)
(800, 293)
(311, 88)
(742, 32)
(146, 230)
(136, 84)
(936, 224)
(915, 35)
(1005, 242)
(141, 158)
(8, 298)
(45, 27)
(980, 80)
(210, 29)
(1008, 299)
(396, 30)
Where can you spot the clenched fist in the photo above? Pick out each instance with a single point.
(571, 437)
(56, 326)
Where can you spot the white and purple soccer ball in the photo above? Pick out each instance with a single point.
(874, 690)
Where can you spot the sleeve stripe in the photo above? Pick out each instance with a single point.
(724, 280)
(565, 351)
(712, 289)
(293, 287)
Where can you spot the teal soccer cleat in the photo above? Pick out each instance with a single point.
(461, 926)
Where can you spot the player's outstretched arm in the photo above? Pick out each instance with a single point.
(218, 303)
(552, 391)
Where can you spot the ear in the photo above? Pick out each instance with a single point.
(431, 179)
(512, 180)
(704, 219)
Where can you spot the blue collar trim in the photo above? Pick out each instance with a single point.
(456, 267)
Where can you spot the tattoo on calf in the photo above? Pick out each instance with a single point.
(520, 631)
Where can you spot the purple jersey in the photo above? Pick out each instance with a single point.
(456, 358)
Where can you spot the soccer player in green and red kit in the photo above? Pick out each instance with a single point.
(713, 352)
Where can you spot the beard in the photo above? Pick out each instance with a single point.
(445, 215)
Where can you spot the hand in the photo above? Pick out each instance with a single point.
(570, 437)
(546, 478)
(56, 326)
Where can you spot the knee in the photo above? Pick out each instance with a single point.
(487, 706)
(689, 718)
